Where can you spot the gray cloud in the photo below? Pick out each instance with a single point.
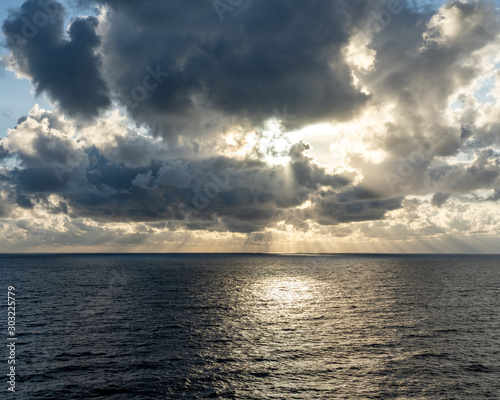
(211, 193)
(191, 79)
(3, 151)
(439, 199)
(269, 55)
(67, 69)
(330, 211)
(420, 69)
(481, 174)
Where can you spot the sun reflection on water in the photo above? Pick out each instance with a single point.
(285, 291)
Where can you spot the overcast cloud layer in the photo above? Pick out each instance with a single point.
(254, 125)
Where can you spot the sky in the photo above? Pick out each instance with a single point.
(250, 126)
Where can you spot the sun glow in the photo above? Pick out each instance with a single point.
(330, 143)
(284, 291)
(270, 144)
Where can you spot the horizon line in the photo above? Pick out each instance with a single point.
(245, 254)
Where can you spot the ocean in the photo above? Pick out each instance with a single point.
(253, 326)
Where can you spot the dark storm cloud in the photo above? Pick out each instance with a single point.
(3, 151)
(267, 56)
(181, 71)
(495, 196)
(438, 199)
(481, 174)
(216, 193)
(421, 64)
(328, 210)
(308, 175)
(67, 69)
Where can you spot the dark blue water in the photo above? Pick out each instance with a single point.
(254, 327)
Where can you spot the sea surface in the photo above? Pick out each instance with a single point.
(253, 326)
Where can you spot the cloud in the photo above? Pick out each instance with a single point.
(270, 55)
(482, 173)
(66, 69)
(242, 195)
(166, 122)
(439, 199)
